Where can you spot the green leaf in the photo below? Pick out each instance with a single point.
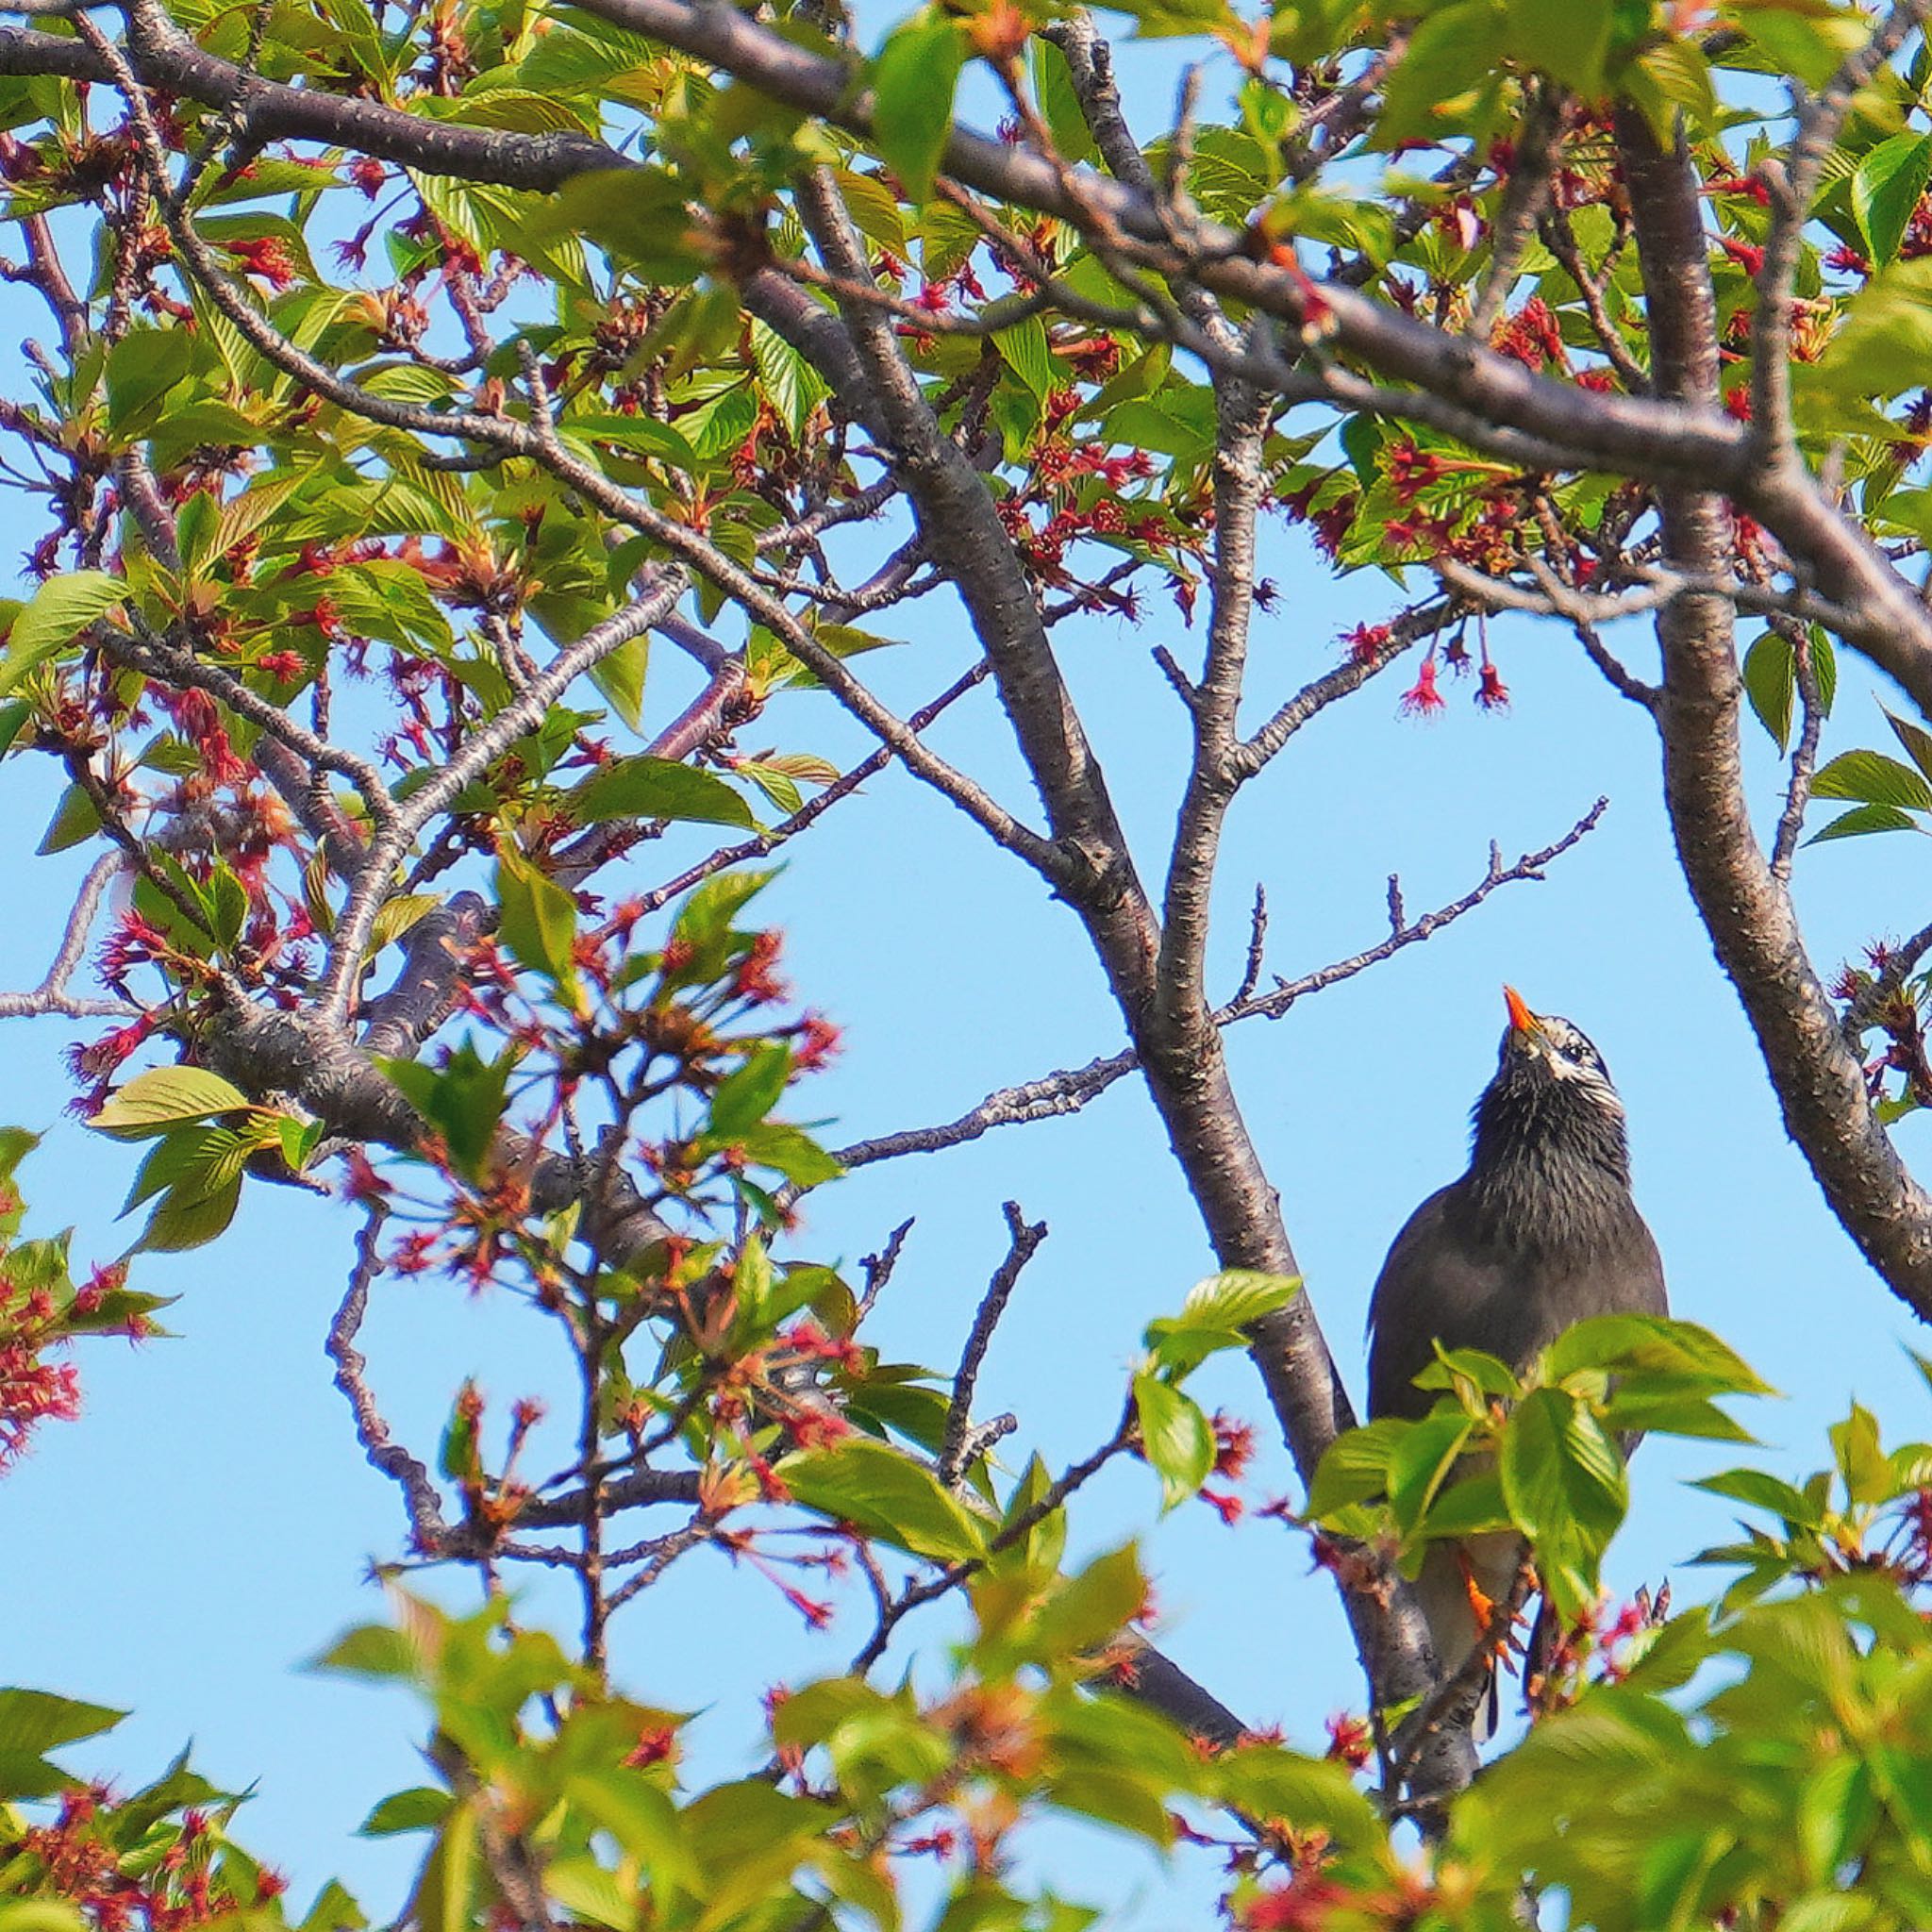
(13, 718)
(335, 1910)
(1090, 1610)
(1636, 1346)
(789, 1151)
(620, 675)
(792, 386)
(1421, 1464)
(1863, 1466)
(1762, 1490)
(1473, 1506)
(707, 915)
(444, 1888)
(641, 434)
(1484, 1372)
(885, 1494)
(539, 920)
(1026, 352)
(1355, 1466)
(40, 1914)
(647, 788)
(1562, 1477)
(1568, 39)
(646, 1824)
(1237, 1296)
(456, 1453)
(75, 821)
(54, 616)
(182, 1221)
(141, 368)
(1862, 819)
(1872, 778)
(1670, 78)
(376, 1651)
(1448, 61)
(637, 214)
(417, 1809)
(35, 1721)
(1824, 668)
(192, 1161)
(589, 1894)
(1175, 1437)
(1178, 422)
(913, 77)
(1770, 682)
(1059, 104)
(1670, 1413)
(1215, 1316)
(1880, 347)
(1265, 1781)
(396, 917)
(153, 1100)
(463, 1101)
(1885, 191)
(1915, 738)
(749, 1092)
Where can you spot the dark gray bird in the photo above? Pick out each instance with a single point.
(1539, 1234)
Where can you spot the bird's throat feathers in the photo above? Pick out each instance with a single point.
(1551, 1161)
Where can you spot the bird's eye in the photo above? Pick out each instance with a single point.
(1575, 1047)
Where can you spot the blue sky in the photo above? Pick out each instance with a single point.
(205, 1527)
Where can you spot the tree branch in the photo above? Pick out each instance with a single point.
(1025, 1239)
(1749, 915)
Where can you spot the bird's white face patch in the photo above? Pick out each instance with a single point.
(1572, 1057)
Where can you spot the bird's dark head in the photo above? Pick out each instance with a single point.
(1551, 1104)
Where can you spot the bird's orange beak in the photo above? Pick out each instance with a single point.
(1520, 1016)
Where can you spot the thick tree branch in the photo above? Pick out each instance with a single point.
(1749, 915)
(1792, 184)
(1191, 1089)
(1179, 1014)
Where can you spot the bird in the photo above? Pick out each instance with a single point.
(1539, 1234)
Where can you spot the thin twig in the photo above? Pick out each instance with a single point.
(429, 1533)
(878, 1269)
(1072, 1088)
(1523, 199)
(50, 995)
(1803, 754)
(1025, 1237)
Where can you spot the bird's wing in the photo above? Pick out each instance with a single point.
(1438, 1282)
(1430, 1285)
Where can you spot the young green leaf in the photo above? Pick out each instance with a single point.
(1176, 1438)
(647, 788)
(1563, 1478)
(885, 1495)
(54, 616)
(156, 1100)
(1885, 191)
(913, 78)
(1872, 778)
(539, 920)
